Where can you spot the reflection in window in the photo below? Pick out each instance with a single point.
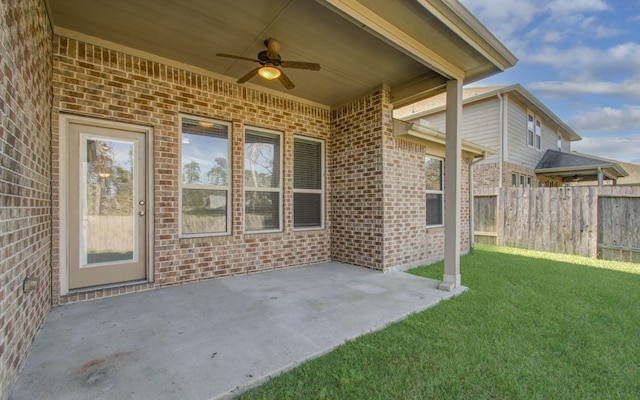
(107, 201)
(204, 198)
(434, 193)
(263, 186)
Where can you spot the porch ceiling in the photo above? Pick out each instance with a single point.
(412, 46)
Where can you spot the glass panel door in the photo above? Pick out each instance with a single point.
(107, 209)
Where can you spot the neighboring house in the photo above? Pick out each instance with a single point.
(522, 131)
(572, 168)
(633, 170)
(131, 159)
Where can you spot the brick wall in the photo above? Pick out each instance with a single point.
(25, 196)
(94, 81)
(379, 191)
(487, 175)
(358, 209)
(509, 168)
(406, 240)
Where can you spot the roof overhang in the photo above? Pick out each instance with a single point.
(412, 46)
(516, 91)
(433, 140)
(572, 166)
(585, 173)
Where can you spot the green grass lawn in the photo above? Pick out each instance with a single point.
(531, 326)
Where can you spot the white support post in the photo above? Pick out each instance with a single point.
(452, 186)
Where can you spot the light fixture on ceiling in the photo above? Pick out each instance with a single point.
(269, 72)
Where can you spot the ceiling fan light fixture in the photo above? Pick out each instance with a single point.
(269, 73)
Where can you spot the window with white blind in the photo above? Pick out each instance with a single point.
(262, 180)
(308, 183)
(205, 177)
(434, 194)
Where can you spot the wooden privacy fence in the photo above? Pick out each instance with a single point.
(587, 221)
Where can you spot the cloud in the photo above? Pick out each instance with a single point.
(576, 6)
(587, 63)
(602, 32)
(553, 36)
(627, 89)
(504, 17)
(607, 119)
(622, 148)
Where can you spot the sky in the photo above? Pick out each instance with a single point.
(581, 58)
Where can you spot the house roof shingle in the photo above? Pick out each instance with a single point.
(569, 164)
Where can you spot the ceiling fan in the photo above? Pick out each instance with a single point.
(269, 61)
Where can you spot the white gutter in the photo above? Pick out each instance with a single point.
(502, 137)
(415, 132)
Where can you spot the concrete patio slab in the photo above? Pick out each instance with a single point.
(216, 338)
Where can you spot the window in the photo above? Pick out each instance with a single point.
(529, 181)
(538, 134)
(433, 172)
(534, 131)
(530, 129)
(514, 180)
(308, 196)
(521, 180)
(204, 188)
(262, 180)
(559, 143)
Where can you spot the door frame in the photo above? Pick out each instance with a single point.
(63, 247)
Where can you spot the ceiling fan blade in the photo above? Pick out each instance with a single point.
(301, 65)
(236, 57)
(273, 48)
(248, 75)
(286, 81)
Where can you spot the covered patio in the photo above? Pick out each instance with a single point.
(216, 338)
(104, 105)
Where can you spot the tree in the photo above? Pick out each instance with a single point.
(191, 173)
(217, 175)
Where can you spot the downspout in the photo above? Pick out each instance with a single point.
(471, 211)
(502, 137)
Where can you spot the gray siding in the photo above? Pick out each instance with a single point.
(480, 125)
(518, 152)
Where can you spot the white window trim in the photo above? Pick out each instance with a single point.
(267, 132)
(533, 136)
(537, 141)
(322, 184)
(181, 186)
(559, 142)
(441, 192)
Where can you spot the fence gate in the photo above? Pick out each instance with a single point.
(619, 228)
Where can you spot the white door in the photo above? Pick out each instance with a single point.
(107, 206)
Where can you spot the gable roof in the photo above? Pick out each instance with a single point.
(437, 104)
(562, 164)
